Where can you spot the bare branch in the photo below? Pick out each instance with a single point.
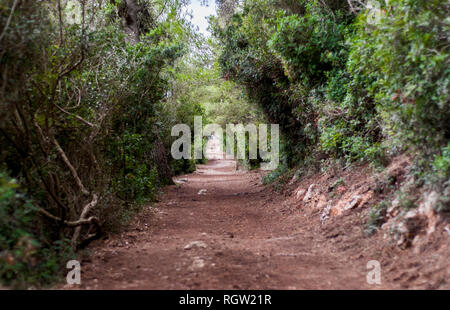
(82, 218)
(77, 223)
(61, 35)
(74, 115)
(9, 19)
(69, 165)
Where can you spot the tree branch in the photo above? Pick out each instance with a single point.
(9, 19)
(69, 165)
(82, 218)
(74, 115)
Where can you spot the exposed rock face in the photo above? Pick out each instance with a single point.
(353, 203)
(408, 227)
(411, 225)
(300, 193)
(345, 200)
(426, 208)
(393, 210)
(325, 213)
(310, 193)
(322, 202)
(350, 200)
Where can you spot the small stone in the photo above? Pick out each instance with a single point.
(198, 263)
(353, 203)
(300, 193)
(202, 192)
(198, 244)
(325, 213)
(447, 229)
(392, 211)
(294, 178)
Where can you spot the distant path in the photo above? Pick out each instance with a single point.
(228, 237)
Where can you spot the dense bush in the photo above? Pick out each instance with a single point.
(82, 97)
(342, 83)
(403, 59)
(25, 256)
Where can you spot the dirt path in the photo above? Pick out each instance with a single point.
(231, 236)
(220, 228)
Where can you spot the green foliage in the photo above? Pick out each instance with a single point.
(138, 180)
(375, 217)
(441, 163)
(82, 105)
(341, 84)
(310, 45)
(24, 258)
(336, 184)
(275, 174)
(403, 62)
(296, 72)
(282, 168)
(406, 200)
(443, 204)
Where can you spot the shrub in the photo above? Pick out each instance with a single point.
(441, 163)
(25, 258)
(403, 61)
(375, 217)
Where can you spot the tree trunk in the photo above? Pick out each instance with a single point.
(163, 167)
(128, 12)
(129, 20)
